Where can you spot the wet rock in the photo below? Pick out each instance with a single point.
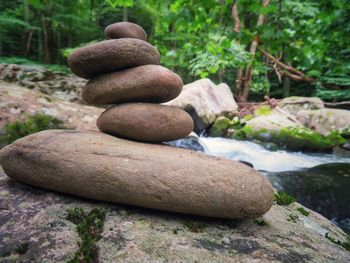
(125, 30)
(146, 122)
(149, 83)
(190, 142)
(102, 167)
(112, 55)
(205, 101)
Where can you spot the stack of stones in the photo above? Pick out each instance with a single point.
(125, 70)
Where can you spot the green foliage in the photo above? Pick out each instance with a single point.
(293, 218)
(32, 124)
(303, 211)
(333, 95)
(89, 228)
(283, 198)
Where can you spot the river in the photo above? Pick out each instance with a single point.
(320, 182)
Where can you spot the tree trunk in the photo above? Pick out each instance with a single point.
(246, 75)
(28, 33)
(46, 26)
(125, 14)
(286, 86)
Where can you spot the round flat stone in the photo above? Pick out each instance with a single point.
(146, 122)
(148, 83)
(125, 30)
(112, 55)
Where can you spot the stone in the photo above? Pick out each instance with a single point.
(295, 104)
(148, 83)
(133, 234)
(112, 55)
(192, 142)
(17, 103)
(146, 122)
(205, 101)
(125, 30)
(271, 122)
(324, 121)
(99, 166)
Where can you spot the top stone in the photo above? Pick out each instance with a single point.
(125, 30)
(112, 55)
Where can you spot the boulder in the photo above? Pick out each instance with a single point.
(191, 142)
(295, 104)
(125, 30)
(148, 83)
(271, 122)
(324, 121)
(102, 167)
(146, 122)
(38, 220)
(17, 103)
(205, 101)
(112, 55)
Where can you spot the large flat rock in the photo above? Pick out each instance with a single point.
(102, 167)
(37, 218)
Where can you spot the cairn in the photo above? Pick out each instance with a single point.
(124, 70)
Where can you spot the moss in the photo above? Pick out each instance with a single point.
(293, 218)
(260, 221)
(196, 227)
(32, 124)
(345, 244)
(292, 138)
(89, 228)
(222, 124)
(303, 211)
(263, 110)
(283, 198)
(22, 248)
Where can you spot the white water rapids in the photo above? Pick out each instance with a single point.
(263, 159)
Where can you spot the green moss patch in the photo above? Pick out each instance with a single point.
(222, 124)
(283, 198)
(263, 110)
(345, 244)
(89, 228)
(303, 211)
(32, 124)
(292, 138)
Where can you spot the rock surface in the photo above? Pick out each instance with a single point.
(125, 30)
(146, 122)
(61, 86)
(17, 103)
(325, 121)
(205, 101)
(271, 122)
(112, 55)
(295, 104)
(102, 167)
(133, 234)
(148, 83)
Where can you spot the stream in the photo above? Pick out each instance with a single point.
(320, 182)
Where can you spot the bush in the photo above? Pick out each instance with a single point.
(32, 124)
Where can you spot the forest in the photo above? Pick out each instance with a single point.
(269, 48)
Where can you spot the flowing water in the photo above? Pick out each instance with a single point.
(318, 181)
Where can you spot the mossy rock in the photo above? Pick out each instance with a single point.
(292, 138)
(222, 124)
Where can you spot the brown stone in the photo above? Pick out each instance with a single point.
(112, 55)
(146, 122)
(148, 83)
(102, 167)
(125, 30)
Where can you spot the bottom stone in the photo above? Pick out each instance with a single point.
(99, 166)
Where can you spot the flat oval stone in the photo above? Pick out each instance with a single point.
(112, 55)
(149, 83)
(146, 122)
(125, 30)
(102, 167)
